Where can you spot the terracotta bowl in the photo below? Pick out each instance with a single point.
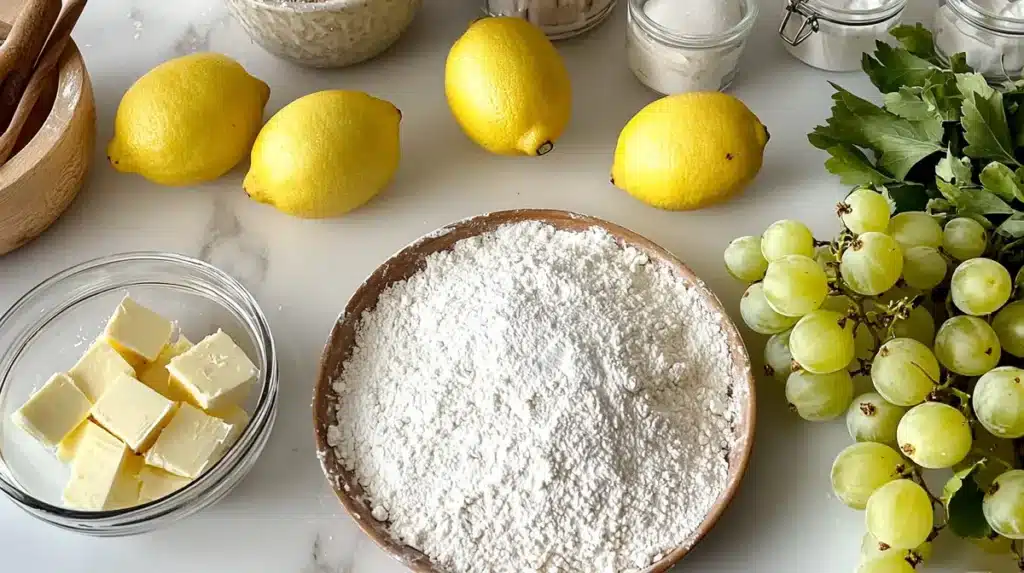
(52, 157)
(411, 260)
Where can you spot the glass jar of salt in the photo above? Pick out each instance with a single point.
(834, 34)
(559, 19)
(990, 32)
(675, 46)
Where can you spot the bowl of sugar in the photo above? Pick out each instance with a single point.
(534, 390)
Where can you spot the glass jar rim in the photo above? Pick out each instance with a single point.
(985, 18)
(823, 11)
(667, 36)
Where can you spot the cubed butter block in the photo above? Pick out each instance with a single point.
(157, 484)
(216, 372)
(191, 442)
(137, 332)
(125, 492)
(69, 445)
(97, 471)
(234, 415)
(133, 412)
(53, 411)
(157, 377)
(97, 368)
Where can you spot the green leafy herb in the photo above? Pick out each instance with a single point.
(962, 497)
(986, 129)
(943, 138)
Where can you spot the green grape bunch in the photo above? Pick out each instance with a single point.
(921, 306)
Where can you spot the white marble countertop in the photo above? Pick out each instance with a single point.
(283, 518)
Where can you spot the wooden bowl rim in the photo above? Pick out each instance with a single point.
(348, 490)
(67, 105)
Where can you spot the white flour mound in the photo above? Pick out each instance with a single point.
(539, 400)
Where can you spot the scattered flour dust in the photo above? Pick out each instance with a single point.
(539, 400)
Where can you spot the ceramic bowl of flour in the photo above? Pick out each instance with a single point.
(534, 390)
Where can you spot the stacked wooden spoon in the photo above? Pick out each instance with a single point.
(28, 62)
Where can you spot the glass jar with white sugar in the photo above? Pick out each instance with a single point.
(833, 35)
(676, 47)
(990, 32)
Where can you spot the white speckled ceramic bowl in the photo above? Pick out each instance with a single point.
(325, 33)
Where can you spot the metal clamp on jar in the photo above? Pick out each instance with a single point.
(833, 35)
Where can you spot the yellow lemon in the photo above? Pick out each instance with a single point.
(689, 151)
(325, 154)
(188, 120)
(508, 87)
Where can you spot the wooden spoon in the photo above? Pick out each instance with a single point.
(20, 51)
(44, 72)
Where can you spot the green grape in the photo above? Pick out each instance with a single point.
(759, 315)
(744, 261)
(915, 229)
(871, 548)
(839, 303)
(899, 514)
(967, 345)
(998, 400)
(864, 347)
(872, 264)
(980, 286)
(1004, 505)
(778, 361)
(1009, 327)
(895, 563)
(787, 237)
(795, 285)
(904, 371)
(919, 325)
(819, 397)
(872, 418)
(923, 267)
(862, 468)
(825, 258)
(934, 435)
(822, 342)
(865, 210)
(964, 238)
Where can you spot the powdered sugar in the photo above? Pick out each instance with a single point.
(540, 400)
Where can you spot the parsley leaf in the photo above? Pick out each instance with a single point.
(999, 180)
(900, 144)
(853, 167)
(909, 104)
(954, 169)
(917, 40)
(986, 129)
(892, 68)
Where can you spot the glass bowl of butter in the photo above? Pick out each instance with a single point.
(135, 390)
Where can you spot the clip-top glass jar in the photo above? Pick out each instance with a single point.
(670, 62)
(991, 34)
(833, 35)
(559, 19)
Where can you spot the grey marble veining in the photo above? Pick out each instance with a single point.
(226, 244)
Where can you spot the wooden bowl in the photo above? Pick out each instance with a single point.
(52, 156)
(410, 261)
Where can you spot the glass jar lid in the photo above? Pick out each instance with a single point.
(806, 15)
(986, 17)
(669, 37)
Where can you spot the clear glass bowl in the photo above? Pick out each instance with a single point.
(51, 326)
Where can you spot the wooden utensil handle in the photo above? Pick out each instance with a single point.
(45, 71)
(21, 49)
